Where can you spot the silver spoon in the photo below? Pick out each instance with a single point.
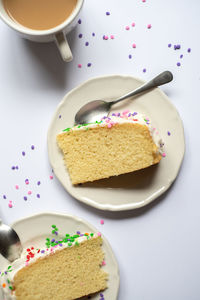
(10, 244)
(95, 110)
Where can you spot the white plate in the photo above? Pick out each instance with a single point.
(35, 229)
(132, 190)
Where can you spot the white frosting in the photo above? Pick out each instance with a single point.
(7, 279)
(125, 117)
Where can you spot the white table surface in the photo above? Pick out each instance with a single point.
(158, 248)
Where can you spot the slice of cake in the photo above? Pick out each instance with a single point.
(115, 145)
(68, 269)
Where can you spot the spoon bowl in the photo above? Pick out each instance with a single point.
(10, 244)
(92, 111)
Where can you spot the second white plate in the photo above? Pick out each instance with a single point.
(131, 190)
(34, 230)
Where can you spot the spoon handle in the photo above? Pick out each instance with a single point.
(161, 79)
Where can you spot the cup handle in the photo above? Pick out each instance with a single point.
(63, 46)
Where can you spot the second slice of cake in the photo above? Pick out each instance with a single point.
(115, 145)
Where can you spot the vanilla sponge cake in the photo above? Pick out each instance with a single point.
(115, 145)
(68, 269)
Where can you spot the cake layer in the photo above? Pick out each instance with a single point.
(108, 148)
(68, 269)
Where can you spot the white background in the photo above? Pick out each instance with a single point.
(158, 248)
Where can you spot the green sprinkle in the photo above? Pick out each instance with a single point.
(47, 239)
(8, 280)
(67, 129)
(53, 226)
(9, 267)
(91, 234)
(76, 243)
(2, 274)
(10, 287)
(69, 244)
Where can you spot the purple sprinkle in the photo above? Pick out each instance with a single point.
(56, 233)
(134, 114)
(80, 35)
(26, 180)
(107, 13)
(181, 56)
(178, 46)
(101, 294)
(130, 56)
(118, 114)
(32, 147)
(17, 168)
(89, 64)
(168, 132)
(6, 273)
(60, 116)
(61, 245)
(93, 34)
(129, 114)
(25, 198)
(78, 232)
(144, 70)
(178, 64)
(13, 168)
(113, 114)
(53, 240)
(38, 195)
(43, 251)
(174, 47)
(38, 183)
(81, 234)
(169, 45)
(86, 44)
(4, 196)
(23, 153)
(189, 50)
(79, 21)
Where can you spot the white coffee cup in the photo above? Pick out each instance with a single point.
(57, 34)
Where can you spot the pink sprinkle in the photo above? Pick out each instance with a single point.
(101, 222)
(107, 121)
(26, 263)
(79, 65)
(103, 263)
(127, 27)
(134, 45)
(112, 37)
(51, 177)
(27, 182)
(105, 37)
(51, 249)
(149, 26)
(17, 187)
(29, 192)
(164, 154)
(143, 0)
(109, 125)
(125, 112)
(10, 204)
(99, 233)
(133, 24)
